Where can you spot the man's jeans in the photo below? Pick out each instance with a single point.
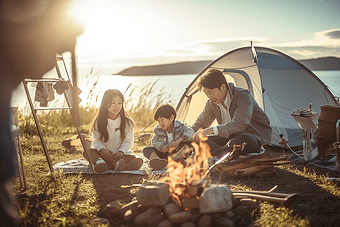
(222, 145)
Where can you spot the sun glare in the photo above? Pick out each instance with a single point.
(108, 31)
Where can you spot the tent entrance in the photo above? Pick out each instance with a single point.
(239, 78)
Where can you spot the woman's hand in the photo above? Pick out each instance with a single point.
(111, 154)
(118, 154)
(106, 153)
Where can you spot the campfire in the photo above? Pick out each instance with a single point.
(185, 180)
(187, 197)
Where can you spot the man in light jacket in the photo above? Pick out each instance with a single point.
(239, 117)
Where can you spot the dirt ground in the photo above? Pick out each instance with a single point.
(316, 204)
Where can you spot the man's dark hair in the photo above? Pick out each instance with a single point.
(165, 111)
(214, 78)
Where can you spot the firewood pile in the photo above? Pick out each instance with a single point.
(251, 165)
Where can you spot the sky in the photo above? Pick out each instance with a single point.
(120, 34)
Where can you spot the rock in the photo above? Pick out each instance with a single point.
(195, 216)
(99, 220)
(170, 209)
(156, 219)
(111, 209)
(144, 137)
(236, 202)
(223, 222)
(230, 214)
(130, 215)
(143, 218)
(180, 217)
(188, 224)
(127, 207)
(165, 223)
(153, 193)
(242, 216)
(250, 203)
(241, 211)
(216, 198)
(205, 220)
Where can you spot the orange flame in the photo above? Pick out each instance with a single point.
(180, 176)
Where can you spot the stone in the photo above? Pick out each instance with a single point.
(130, 215)
(241, 211)
(111, 209)
(99, 220)
(230, 214)
(223, 222)
(143, 138)
(165, 223)
(156, 219)
(180, 217)
(195, 216)
(127, 207)
(250, 203)
(188, 224)
(242, 216)
(205, 220)
(170, 209)
(216, 198)
(143, 218)
(153, 193)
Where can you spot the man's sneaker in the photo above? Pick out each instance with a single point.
(101, 166)
(158, 163)
(121, 165)
(135, 164)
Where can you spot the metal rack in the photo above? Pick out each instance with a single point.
(59, 59)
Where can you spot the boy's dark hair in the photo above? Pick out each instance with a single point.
(165, 111)
(214, 78)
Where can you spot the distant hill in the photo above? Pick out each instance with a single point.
(327, 63)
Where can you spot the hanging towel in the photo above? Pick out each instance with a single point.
(41, 94)
(50, 91)
(61, 86)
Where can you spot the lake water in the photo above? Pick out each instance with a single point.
(172, 86)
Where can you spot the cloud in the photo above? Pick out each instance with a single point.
(322, 44)
(335, 34)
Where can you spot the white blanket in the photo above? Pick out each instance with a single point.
(81, 165)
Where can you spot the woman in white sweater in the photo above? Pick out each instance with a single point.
(112, 136)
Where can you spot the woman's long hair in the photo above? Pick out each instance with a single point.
(100, 124)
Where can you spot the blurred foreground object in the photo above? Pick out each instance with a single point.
(32, 33)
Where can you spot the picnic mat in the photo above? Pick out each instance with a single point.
(81, 165)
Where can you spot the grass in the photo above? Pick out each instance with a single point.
(74, 200)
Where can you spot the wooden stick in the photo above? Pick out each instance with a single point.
(286, 201)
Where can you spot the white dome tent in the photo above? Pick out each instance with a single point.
(279, 84)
